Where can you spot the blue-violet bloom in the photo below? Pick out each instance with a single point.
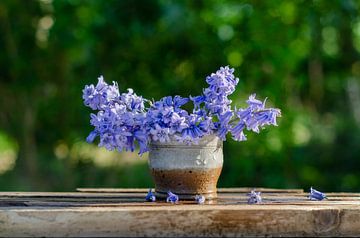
(316, 195)
(173, 198)
(254, 197)
(150, 197)
(200, 199)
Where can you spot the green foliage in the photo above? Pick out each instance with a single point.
(303, 55)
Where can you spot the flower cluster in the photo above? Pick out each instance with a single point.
(120, 117)
(122, 120)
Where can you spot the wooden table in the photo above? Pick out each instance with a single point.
(123, 212)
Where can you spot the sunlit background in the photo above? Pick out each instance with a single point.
(303, 55)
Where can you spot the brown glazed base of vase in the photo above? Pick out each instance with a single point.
(186, 183)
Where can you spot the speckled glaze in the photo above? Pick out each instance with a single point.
(186, 170)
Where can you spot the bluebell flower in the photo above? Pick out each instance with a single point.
(178, 123)
(88, 96)
(167, 101)
(206, 125)
(223, 78)
(112, 93)
(132, 101)
(121, 142)
(210, 94)
(142, 140)
(273, 114)
(316, 195)
(130, 143)
(187, 139)
(160, 134)
(173, 198)
(200, 199)
(101, 85)
(107, 141)
(255, 103)
(253, 125)
(244, 114)
(118, 109)
(197, 100)
(150, 197)
(166, 113)
(222, 131)
(262, 117)
(101, 96)
(91, 137)
(93, 99)
(180, 101)
(226, 117)
(254, 197)
(238, 132)
(193, 130)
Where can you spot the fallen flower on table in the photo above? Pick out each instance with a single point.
(173, 198)
(150, 197)
(316, 195)
(200, 199)
(254, 197)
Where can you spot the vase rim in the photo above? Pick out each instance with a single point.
(211, 140)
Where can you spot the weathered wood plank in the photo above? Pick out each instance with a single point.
(220, 190)
(185, 221)
(123, 212)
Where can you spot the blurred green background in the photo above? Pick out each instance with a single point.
(303, 55)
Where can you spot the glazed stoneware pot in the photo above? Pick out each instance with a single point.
(186, 170)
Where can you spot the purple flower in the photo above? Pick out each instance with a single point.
(255, 103)
(160, 134)
(193, 130)
(244, 114)
(150, 197)
(223, 79)
(124, 121)
(121, 141)
(101, 96)
(200, 199)
(173, 198)
(88, 96)
(254, 197)
(101, 85)
(107, 140)
(167, 101)
(142, 139)
(91, 137)
(197, 100)
(179, 101)
(178, 123)
(316, 195)
(206, 125)
(238, 132)
(225, 117)
(267, 117)
(222, 131)
(187, 139)
(132, 101)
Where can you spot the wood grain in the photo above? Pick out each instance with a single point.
(123, 212)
